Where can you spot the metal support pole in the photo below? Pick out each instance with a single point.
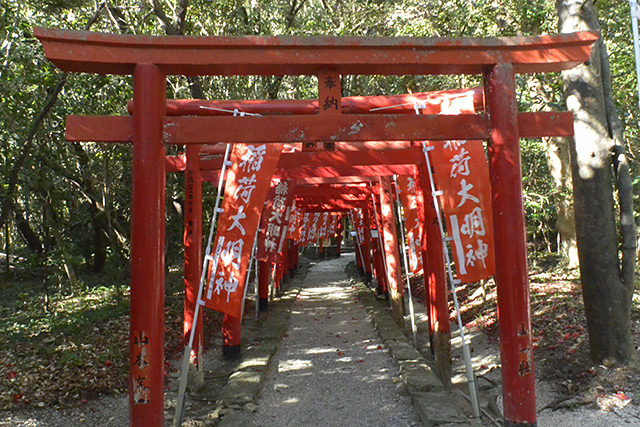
(146, 334)
(516, 347)
(435, 280)
(182, 388)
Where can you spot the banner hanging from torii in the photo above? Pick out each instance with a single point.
(462, 174)
(294, 222)
(407, 193)
(248, 180)
(275, 220)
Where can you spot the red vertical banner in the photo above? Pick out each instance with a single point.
(413, 227)
(293, 231)
(312, 233)
(461, 172)
(358, 220)
(248, 179)
(305, 223)
(331, 227)
(324, 225)
(275, 220)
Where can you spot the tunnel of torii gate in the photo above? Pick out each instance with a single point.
(152, 126)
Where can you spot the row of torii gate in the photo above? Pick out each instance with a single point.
(349, 145)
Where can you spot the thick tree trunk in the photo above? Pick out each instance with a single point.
(607, 283)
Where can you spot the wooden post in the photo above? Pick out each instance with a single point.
(193, 261)
(231, 337)
(339, 237)
(392, 254)
(263, 286)
(514, 312)
(366, 247)
(435, 280)
(146, 334)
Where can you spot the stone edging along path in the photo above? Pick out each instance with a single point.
(434, 404)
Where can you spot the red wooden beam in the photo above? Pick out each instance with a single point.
(302, 164)
(83, 51)
(310, 159)
(338, 180)
(120, 128)
(317, 128)
(325, 190)
(382, 104)
(349, 198)
(359, 171)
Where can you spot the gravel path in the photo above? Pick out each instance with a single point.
(331, 368)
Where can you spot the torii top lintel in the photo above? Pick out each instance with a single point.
(84, 51)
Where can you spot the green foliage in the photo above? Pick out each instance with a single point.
(81, 193)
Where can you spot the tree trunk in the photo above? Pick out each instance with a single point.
(607, 280)
(559, 163)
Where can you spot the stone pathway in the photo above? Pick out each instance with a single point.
(331, 368)
(328, 353)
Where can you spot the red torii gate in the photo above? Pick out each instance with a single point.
(150, 59)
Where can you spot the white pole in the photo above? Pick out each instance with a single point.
(179, 414)
(246, 280)
(635, 12)
(453, 282)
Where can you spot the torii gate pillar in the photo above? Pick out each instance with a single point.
(146, 333)
(193, 261)
(366, 247)
(392, 257)
(514, 311)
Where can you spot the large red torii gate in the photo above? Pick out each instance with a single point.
(150, 59)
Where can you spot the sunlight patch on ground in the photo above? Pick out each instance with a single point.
(294, 365)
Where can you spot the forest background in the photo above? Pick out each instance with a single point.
(65, 207)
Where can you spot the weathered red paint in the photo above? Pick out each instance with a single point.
(192, 250)
(146, 337)
(514, 312)
(84, 51)
(120, 129)
(382, 104)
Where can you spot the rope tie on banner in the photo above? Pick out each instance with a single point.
(208, 259)
(235, 111)
(407, 270)
(453, 282)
